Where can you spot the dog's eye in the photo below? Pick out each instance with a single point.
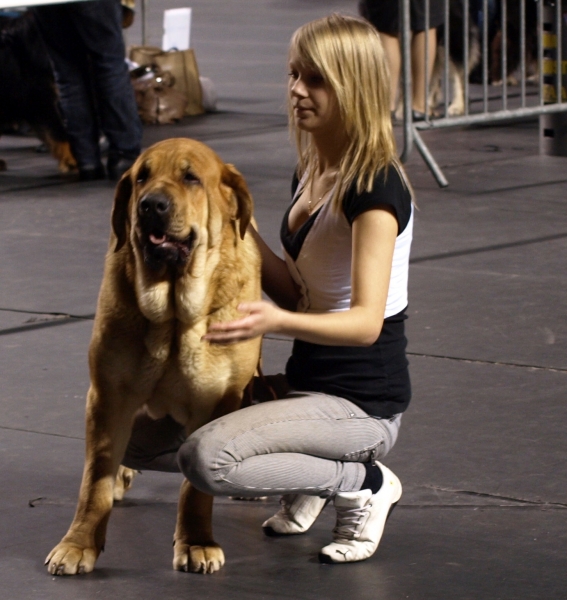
(190, 178)
(143, 175)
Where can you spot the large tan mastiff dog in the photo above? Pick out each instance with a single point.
(179, 259)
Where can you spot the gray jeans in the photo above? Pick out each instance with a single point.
(307, 443)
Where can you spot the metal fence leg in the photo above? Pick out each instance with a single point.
(429, 160)
(144, 7)
(405, 41)
(411, 135)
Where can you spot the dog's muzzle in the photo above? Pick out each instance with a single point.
(160, 248)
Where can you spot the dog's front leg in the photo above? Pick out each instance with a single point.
(194, 549)
(107, 434)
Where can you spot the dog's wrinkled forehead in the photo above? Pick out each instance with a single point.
(182, 163)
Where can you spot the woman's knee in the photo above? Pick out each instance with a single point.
(196, 459)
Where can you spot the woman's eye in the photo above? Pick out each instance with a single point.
(293, 74)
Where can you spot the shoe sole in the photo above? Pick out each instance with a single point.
(270, 532)
(326, 559)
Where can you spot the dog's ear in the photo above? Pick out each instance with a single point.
(233, 179)
(120, 210)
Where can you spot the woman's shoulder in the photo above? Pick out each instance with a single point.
(389, 189)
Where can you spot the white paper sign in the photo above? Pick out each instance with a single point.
(176, 29)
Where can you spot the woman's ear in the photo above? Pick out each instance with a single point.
(245, 205)
(120, 220)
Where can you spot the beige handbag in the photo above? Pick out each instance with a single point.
(158, 103)
(182, 66)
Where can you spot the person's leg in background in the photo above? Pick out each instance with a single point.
(99, 25)
(71, 69)
(422, 65)
(420, 70)
(383, 14)
(392, 49)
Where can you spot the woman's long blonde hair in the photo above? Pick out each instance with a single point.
(348, 53)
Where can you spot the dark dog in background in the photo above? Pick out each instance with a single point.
(513, 33)
(456, 58)
(28, 87)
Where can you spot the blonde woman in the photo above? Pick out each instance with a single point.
(341, 293)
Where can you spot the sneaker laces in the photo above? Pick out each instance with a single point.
(349, 521)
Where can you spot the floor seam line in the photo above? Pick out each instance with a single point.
(489, 362)
(21, 430)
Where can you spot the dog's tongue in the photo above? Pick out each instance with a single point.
(154, 239)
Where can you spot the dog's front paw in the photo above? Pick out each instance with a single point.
(197, 559)
(70, 559)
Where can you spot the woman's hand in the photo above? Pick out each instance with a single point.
(261, 317)
(373, 242)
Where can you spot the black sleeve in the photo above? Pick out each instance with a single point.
(389, 189)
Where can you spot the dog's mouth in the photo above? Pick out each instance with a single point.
(161, 249)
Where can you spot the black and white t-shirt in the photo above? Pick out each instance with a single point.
(318, 256)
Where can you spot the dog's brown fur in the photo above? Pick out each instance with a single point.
(168, 275)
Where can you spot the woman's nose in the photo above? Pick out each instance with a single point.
(298, 88)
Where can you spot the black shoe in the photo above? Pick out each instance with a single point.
(417, 115)
(92, 173)
(117, 166)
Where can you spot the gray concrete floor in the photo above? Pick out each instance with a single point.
(482, 450)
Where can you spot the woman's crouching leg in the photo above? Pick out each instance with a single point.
(154, 444)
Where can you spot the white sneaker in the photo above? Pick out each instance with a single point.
(361, 517)
(297, 514)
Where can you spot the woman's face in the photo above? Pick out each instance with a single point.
(315, 106)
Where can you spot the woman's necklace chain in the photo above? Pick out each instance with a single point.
(309, 204)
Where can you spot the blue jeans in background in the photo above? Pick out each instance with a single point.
(86, 47)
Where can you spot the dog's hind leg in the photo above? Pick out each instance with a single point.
(62, 152)
(194, 549)
(60, 149)
(436, 79)
(123, 482)
(457, 106)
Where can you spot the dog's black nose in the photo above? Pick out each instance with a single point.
(156, 204)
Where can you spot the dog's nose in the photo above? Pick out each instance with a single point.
(156, 204)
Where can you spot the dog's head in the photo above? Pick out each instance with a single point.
(178, 195)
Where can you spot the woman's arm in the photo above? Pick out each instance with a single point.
(373, 240)
(276, 278)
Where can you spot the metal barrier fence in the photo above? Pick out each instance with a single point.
(549, 95)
